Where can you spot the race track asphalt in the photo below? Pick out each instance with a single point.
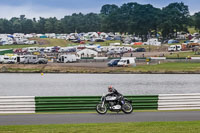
(67, 118)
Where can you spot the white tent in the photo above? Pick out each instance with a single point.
(153, 41)
(87, 53)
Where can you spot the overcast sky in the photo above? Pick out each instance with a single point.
(60, 8)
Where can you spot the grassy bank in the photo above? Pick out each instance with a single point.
(172, 67)
(136, 127)
(182, 55)
(48, 42)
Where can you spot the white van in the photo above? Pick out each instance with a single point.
(127, 62)
(67, 58)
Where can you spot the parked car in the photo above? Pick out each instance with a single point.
(99, 40)
(32, 49)
(113, 62)
(140, 50)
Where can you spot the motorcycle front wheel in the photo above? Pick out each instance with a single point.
(101, 109)
(127, 108)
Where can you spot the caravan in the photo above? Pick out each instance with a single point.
(175, 48)
(67, 58)
(33, 59)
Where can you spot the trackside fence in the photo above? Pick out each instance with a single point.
(17, 104)
(88, 103)
(179, 101)
(35, 104)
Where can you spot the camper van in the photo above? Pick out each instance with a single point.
(8, 59)
(33, 59)
(175, 48)
(127, 62)
(67, 58)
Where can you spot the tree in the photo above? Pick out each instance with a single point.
(108, 9)
(16, 25)
(197, 21)
(40, 25)
(175, 18)
(133, 18)
(27, 26)
(110, 16)
(58, 27)
(139, 19)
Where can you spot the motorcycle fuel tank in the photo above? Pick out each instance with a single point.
(109, 98)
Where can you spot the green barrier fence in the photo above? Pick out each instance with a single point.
(88, 103)
(87, 58)
(9, 51)
(168, 58)
(110, 58)
(141, 58)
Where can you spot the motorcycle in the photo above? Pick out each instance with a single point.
(114, 104)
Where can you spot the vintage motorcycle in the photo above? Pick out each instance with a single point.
(114, 104)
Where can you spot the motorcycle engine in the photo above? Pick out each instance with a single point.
(111, 104)
(116, 107)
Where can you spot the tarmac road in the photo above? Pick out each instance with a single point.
(36, 119)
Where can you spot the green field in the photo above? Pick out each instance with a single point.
(183, 55)
(41, 43)
(131, 127)
(48, 42)
(168, 67)
(192, 30)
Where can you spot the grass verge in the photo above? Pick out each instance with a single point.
(136, 127)
(49, 42)
(170, 67)
(182, 55)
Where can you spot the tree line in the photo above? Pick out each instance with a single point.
(130, 18)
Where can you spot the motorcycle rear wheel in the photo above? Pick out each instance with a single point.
(127, 108)
(100, 109)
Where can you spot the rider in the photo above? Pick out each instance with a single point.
(112, 91)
